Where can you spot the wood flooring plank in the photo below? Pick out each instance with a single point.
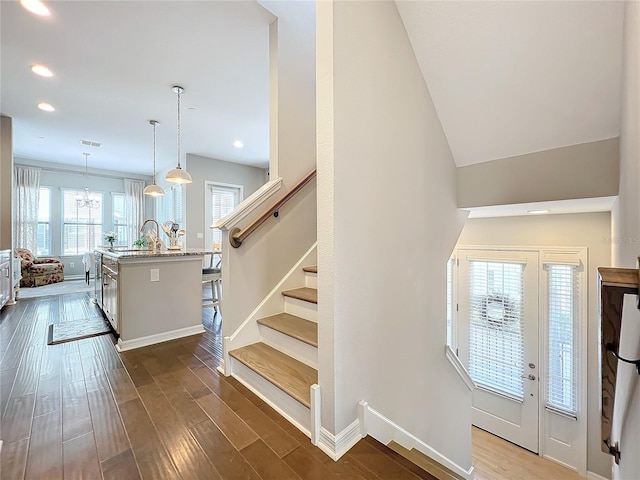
(107, 353)
(133, 362)
(7, 377)
(401, 460)
(71, 365)
(121, 467)
(76, 416)
(49, 395)
(269, 432)
(229, 463)
(190, 382)
(308, 467)
(45, 459)
(29, 371)
(151, 455)
(81, 458)
(16, 423)
(121, 385)
(379, 464)
(220, 386)
(238, 432)
(108, 429)
(184, 404)
(14, 459)
(267, 464)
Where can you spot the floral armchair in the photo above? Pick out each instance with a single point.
(38, 271)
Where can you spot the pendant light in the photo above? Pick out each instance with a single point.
(153, 189)
(178, 175)
(84, 200)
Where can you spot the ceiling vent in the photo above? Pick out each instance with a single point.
(89, 143)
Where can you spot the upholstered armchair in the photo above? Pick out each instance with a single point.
(38, 271)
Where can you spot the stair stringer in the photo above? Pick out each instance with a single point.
(249, 332)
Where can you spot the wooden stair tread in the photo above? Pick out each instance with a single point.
(288, 374)
(310, 269)
(305, 293)
(296, 327)
(427, 464)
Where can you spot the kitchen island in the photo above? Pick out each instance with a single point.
(150, 297)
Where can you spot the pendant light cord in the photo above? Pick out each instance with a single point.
(179, 128)
(154, 151)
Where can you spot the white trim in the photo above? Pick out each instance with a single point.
(384, 430)
(337, 445)
(125, 345)
(316, 411)
(248, 332)
(595, 476)
(459, 368)
(248, 205)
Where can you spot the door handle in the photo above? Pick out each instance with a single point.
(531, 376)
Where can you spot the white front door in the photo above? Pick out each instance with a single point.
(498, 341)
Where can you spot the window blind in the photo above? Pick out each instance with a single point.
(496, 352)
(82, 226)
(223, 201)
(562, 316)
(44, 217)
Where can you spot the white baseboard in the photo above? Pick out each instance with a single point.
(595, 476)
(337, 445)
(384, 430)
(123, 346)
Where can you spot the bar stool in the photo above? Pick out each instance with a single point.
(212, 275)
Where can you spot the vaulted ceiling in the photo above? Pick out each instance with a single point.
(515, 77)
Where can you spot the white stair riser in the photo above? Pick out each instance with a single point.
(284, 404)
(307, 354)
(302, 309)
(310, 279)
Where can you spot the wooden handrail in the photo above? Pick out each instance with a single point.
(615, 283)
(237, 236)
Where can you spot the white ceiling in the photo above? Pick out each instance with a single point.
(515, 77)
(115, 63)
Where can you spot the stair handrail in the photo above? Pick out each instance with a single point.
(237, 235)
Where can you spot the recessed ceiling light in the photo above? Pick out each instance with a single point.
(36, 6)
(537, 212)
(47, 107)
(41, 70)
(89, 143)
(238, 144)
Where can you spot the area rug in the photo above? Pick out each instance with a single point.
(62, 288)
(77, 330)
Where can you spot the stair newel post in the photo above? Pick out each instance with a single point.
(316, 411)
(225, 366)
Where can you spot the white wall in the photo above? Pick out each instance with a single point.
(387, 224)
(6, 182)
(203, 170)
(626, 236)
(251, 271)
(591, 230)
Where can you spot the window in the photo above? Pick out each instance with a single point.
(119, 223)
(496, 350)
(562, 318)
(44, 222)
(169, 206)
(222, 200)
(81, 226)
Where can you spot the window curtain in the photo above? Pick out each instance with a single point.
(133, 209)
(27, 193)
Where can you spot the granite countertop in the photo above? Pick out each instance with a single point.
(125, 253)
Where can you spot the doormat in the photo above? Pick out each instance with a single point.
(77, 330)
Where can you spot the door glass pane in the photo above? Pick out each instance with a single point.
(496, 336)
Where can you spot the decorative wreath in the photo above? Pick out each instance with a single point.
(498, 310)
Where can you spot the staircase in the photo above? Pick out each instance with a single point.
(282, 366)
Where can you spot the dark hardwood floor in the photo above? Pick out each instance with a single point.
(81, 410)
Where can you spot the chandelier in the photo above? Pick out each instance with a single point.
(83, 200)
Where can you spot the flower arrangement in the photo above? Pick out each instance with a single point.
(110, 237)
